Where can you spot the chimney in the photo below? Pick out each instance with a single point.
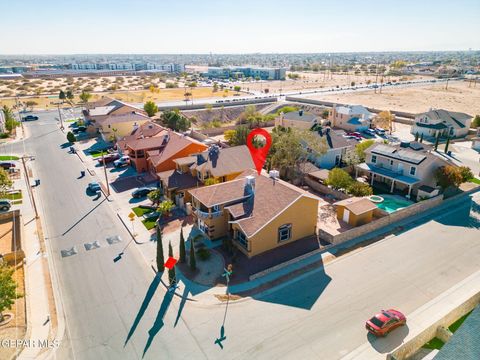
(250, 183)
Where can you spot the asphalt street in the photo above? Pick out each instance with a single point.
(118, 311)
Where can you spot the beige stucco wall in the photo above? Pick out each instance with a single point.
(302, 215)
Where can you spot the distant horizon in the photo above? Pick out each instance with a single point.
(52, 27)
(245, 53)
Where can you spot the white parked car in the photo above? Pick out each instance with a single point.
(123, 161)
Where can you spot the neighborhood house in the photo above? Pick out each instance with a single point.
(441, 122)
(337, 145)
(351, 117)
(258, 212)
(404, 167)
(297, 119)
(151, 146)
(216, 164)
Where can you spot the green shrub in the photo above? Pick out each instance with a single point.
(360, 189)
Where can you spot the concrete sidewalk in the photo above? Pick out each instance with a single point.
(39, 324)
(418, 321)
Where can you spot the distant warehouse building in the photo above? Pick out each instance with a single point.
(262, 73)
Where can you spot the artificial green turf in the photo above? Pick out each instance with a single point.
(475, 181)
(149, 224)
(14, 196)
(8, 157)
(95, 154)
(141, 211)
(435, 343)
(458, 323)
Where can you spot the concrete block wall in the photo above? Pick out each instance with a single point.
(315, 185)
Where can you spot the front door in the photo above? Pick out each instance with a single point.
(346, 215)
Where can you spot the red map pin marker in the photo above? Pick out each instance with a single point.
(259, 155)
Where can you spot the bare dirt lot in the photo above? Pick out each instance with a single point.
(310, 80)
(458, 97)
(136, 96)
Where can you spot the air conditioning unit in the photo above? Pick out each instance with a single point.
(274, 174)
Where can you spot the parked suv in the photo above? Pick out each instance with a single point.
(123, 161)
(5, 204)
(30, 118)
(7, 165)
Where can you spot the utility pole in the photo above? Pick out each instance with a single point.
(446, 86)
(29, 187)
(60, 115)
(376, 77)
(105, 171)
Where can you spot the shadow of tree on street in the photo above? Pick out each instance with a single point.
(158, 324)
(182, 304)
(146, 301)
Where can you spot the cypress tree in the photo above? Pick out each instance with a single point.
(172, 277)
(416, 136)
(160, 259)
(436, 141)
(193, 262)
(421, 138)
(182, 252)
(446, 145)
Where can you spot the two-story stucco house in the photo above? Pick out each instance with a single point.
(258, 212)
(337, 146)
(441, 122)
(296, 119)
(114, 118)
(351, 117)
(153, 147)
(217, 164)
(404, 167)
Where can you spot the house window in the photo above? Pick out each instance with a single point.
(374, 159)
(285, 232)
(242, 239)
(413, 170)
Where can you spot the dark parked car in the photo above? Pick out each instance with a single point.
(141, 192)
(30, 118)
(7, 165)
(5, 204)
(94, 187)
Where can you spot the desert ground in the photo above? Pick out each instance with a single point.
(460, 96)
(135, 96)
(309, 80)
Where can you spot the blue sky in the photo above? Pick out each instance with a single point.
(203, 26)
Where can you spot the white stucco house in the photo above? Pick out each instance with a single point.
(441, 122)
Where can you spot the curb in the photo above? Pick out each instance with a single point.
(129, 231)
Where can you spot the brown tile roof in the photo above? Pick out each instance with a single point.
(270, 199)
(175, 180)
(357, 205)
(228, 161)
(175, 144)
(188, 160)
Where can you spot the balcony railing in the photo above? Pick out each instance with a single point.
(207, 215)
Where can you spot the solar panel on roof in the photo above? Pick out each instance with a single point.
(416, 146)
(383, 149)
(410, 156)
